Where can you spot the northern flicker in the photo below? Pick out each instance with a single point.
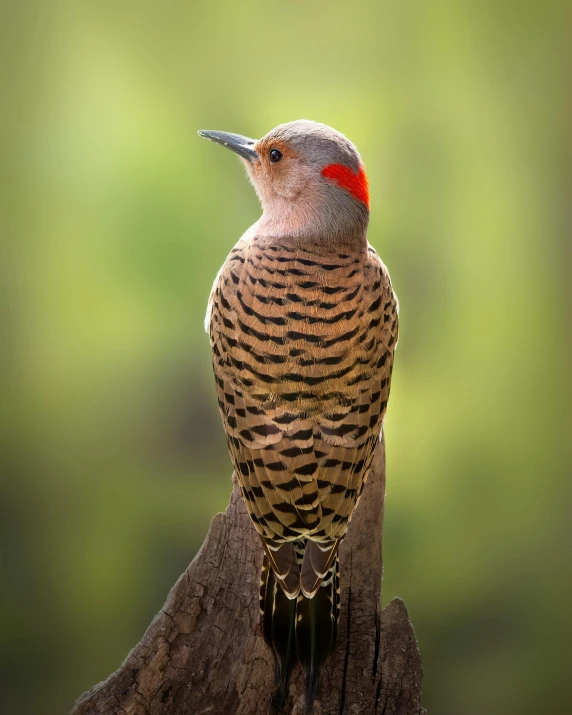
(303, 325)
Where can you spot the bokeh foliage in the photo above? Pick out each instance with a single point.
(116, 218)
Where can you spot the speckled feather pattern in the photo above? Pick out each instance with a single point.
(303, 336)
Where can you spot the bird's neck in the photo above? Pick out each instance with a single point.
(341, 225)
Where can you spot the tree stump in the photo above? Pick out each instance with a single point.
(204, 651)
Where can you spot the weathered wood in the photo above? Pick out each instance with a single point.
(204, 651)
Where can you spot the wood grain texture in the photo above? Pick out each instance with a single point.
(204, 652)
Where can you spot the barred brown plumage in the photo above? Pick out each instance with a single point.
(302, 393)
(303, 325)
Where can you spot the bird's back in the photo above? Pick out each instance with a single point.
(303, 339)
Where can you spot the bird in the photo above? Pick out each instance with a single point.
(303, 325)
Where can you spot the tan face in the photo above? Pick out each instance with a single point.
(280, 172)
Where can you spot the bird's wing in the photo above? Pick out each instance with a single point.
(348, 436)
(301, 464)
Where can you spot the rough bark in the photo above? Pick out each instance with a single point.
(204, 651)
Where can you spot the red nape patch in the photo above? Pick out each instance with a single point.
(356, 184)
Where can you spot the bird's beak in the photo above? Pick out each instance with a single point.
(243, 146)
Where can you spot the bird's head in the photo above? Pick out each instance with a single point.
(310, 180)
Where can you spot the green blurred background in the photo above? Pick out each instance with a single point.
(116, 218)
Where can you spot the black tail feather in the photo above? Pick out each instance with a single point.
(316, 631)
(303, 629)
(279, 613)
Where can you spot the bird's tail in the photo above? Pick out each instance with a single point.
(278, 618)
(316, 629)
(301, 629)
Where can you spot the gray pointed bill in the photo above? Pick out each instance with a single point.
(243, 146)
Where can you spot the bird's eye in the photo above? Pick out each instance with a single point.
(275, 156)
